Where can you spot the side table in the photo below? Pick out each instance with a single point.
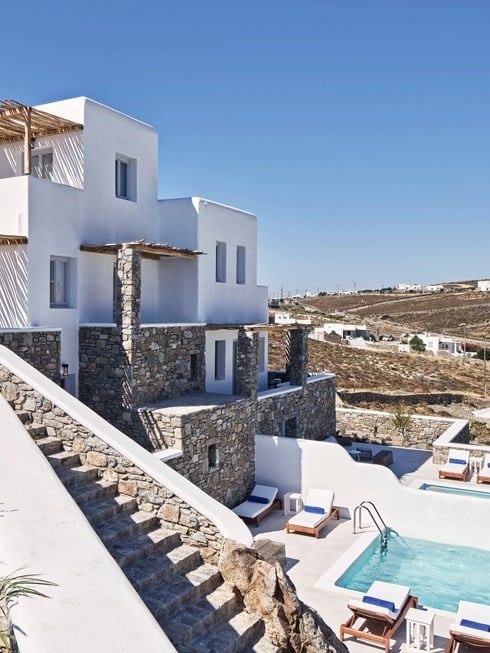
(292, 503)
(420, 629)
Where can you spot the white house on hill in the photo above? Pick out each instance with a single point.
(484, 285)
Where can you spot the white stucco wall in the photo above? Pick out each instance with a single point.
(298, 465)
(13, 286)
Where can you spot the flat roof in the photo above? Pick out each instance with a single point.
(147, 249)
(16, 118)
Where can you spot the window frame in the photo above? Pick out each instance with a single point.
(219, 360)
(129, 165)
(220, 267)
(54, 266)
(241, 265)
(261, 355)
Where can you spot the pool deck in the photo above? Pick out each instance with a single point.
(307, 561)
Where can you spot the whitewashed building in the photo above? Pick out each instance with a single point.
(286, 319)
(484, 285)
(94, 183)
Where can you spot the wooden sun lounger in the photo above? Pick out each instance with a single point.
(472, 640)
(483, 478)
(457, 476)
(313, 530)
(390, 626)
(275, 505)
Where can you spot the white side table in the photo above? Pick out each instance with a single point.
(292, 503)
(420, 629)
(475, 463)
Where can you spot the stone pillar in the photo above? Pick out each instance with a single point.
(298, 343)
(247, 364)
(127, 299)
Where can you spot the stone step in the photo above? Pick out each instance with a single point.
(49, 445)
(237, 635)
(192, 621)
(64, 459)
(150, 571)
(36, 431)
(181, 591)
(134, 548)
(122, 526)
(24, 416)
(76, 476)
(104, 508)
(264, 645)
(85, 494)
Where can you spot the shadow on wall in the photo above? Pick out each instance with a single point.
(13, 289)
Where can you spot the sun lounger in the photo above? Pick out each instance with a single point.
(317, 511)
(386, 604)
(456, 466)
(472, 626)
(259, 504)
(484, 473)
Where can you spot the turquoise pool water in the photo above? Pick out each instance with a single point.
(440, 575)
(446, 489)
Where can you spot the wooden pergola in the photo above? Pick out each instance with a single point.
(20, 122)
(12, 240)
(147, 249)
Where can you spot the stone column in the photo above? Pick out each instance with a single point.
(298, 343)
(127, 299)
(247, 364)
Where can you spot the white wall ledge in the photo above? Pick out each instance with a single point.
(30, 329)
(320, 376)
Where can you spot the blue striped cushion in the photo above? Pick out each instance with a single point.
(255, 499)
(476, 625)
(381, 603)
(316, 509)
(457, 461)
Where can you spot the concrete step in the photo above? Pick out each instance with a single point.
(76, 476)
(103, 508)
(141, 546)
(24, 416)
(123, 526)
(49, 445)
(101, 488)
(64, 459)
(36, 431)
(150, 571)
(181, 592)
(196, 617)
(237, 635)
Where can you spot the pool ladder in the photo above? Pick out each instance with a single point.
(378, 521)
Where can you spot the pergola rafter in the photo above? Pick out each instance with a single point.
(21, 122)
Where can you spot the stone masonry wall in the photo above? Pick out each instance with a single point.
(313, 407)
(175, 514)
(114, 381)
(231, 428)
(376, 427)
(41, 349)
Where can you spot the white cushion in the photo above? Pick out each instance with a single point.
(453, 468)
(307, 519)
(397, 594)
(462, 454)
(251, 509)
(355, 604)
(474, 611)
(264, 491)
(457, 629)
(321, 499)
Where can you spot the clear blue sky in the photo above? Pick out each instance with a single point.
(357, 130)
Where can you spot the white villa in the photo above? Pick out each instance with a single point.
(436, 344)
(152, 466)
(484, 285)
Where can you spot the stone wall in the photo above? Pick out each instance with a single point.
(230, 428)
(377, 427)
(364, 396)
(313, 407)
(173, 513)
(41, 349)
(115, 378)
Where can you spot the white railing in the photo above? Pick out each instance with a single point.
(228, 523)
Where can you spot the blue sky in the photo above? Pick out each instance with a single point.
(357, 130)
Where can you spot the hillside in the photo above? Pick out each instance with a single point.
(464, 314)
(359, 369)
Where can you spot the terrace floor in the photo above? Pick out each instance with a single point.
(307, 561)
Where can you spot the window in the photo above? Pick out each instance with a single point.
(58, 282)
(240, 264)
(261, 354)
(219, 359)
(213, 456)
(220, 262)
(289, 428)
(125, 178)
(194, 367)
(41, 164)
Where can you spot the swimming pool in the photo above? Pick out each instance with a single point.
(447, 489)
(440, 575)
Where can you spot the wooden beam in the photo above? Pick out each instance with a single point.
(27, 142)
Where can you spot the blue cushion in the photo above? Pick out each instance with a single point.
(476, 625)
(379, 602)
(488, 464)
(255, 499)
(316, 509)
(457, 461)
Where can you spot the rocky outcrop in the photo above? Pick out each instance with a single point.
(265, 589)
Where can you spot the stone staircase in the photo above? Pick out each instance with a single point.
(187, 596)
